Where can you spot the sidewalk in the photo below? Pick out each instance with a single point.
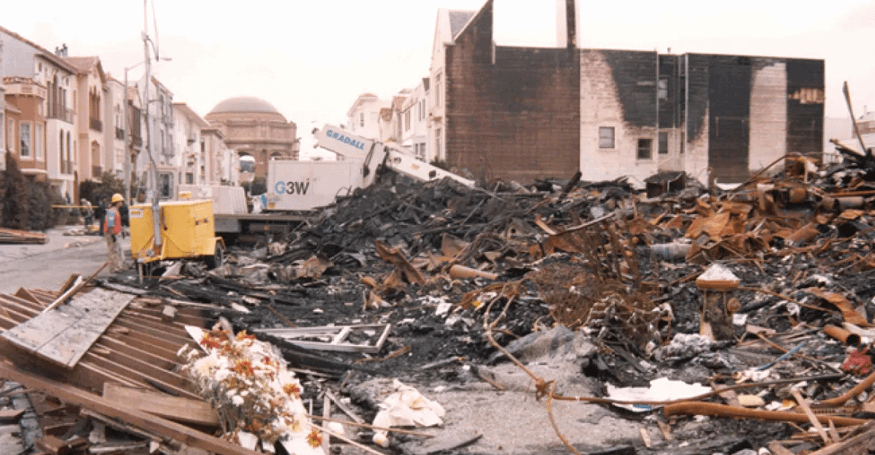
(48, 266)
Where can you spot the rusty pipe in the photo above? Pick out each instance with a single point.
(858, 389)
(842, 335)
(460, 271)
(804, 234)
(798, 195)
(722, 410)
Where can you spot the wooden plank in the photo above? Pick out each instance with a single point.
(26, 295)
(174, 408)
(855, 445)
(138, 376)
(134, 417)
(138, 350)
(168, 339)
(803, 403)
(10, 414)
(155, 323)
(14, 304)
(144, 341)
(64, 334)
(182, 318)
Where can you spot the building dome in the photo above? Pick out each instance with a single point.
(244, 104)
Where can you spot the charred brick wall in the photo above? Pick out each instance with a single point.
(805, 97)
(745, 112)
(729, 88)
(511, 112)
(618, 93)
(768, 113)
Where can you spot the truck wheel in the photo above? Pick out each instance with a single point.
(217, 259)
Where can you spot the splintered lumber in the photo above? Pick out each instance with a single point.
(64, 334)
(160, 404)
(16, 236)
(158, 425)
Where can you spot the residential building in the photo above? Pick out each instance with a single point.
(190, 143)
(222, 163)
(27, 124)
(414, 122)
(364, 117)
(449, 24)
(526, 113)
(41, 111)
(253, 127)
(89, 103)
(2, 114)
(135, 123)
(114, 131)
(157, 103)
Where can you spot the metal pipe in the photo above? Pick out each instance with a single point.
(722, 410)
(842, 335)
(858, 389)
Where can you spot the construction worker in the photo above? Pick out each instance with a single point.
(112, 229)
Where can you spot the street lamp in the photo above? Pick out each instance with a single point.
(125, 132)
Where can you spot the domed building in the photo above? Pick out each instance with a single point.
(253, 127)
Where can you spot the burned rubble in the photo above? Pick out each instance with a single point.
(686, 319)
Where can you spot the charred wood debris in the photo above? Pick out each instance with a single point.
(763, 294)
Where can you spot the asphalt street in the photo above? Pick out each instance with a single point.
(48, 266)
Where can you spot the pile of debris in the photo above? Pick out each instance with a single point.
(611, 307)
(21, 237)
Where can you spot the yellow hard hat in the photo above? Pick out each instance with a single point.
(117, 198)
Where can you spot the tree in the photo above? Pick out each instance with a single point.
(15, 195)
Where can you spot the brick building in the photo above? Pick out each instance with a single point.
(525, 113)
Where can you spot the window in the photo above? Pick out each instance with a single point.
(683, 144)
(437, 142)
(407, 116)
(10, 136)
(662, 89)
(644, 149)
(663, 143)
(165, 185)
(24, 139)
(69, 159)
(189, 178)
(38, 141)
(606, 137)
(437, 90)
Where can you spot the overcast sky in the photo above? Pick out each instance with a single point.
(311, 59)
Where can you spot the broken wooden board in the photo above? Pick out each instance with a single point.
(154, 424)
(178, 409)
(10, 442)
(335, 337)
(64, 334)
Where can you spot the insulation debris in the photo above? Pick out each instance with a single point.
(257, 399)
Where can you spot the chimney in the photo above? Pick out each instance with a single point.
(566, 23)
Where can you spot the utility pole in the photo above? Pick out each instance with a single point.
(125, 122)
(156, 218)
(127, 136)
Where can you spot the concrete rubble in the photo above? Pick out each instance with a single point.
(432, 318)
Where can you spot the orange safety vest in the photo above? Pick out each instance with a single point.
(114, 223)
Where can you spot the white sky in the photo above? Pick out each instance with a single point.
(311, 59)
